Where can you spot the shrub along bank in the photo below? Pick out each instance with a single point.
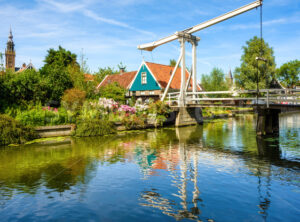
(13, 132)
(95, 127)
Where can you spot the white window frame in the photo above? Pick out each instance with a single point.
(144, 78)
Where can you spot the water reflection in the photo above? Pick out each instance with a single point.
(185, 173)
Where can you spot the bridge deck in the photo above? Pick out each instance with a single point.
(288, 99)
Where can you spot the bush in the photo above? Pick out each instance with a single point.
(113, 91)
(159, 108)
(134, 121)
(73, 99)
(22, 88)
(161, 111)
(94, 127)
(12, 131)
(43, 116)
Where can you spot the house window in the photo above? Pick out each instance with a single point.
(144, 78)
(151, 93)
(143, 93)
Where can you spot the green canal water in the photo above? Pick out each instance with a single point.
(216, 172)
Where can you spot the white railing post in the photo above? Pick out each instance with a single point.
(194, 68)
(183, 68)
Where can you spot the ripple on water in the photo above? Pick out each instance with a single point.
(216, 172)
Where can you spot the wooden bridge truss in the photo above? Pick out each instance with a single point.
(239, 98)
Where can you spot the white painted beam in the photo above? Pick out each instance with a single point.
(152, 45)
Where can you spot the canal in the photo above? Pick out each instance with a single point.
(216, 172)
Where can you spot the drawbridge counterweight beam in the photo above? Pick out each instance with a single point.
(186, 36)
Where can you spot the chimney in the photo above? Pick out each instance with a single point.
(122, 70)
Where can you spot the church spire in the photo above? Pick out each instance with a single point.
(10, 52)
(10, 34)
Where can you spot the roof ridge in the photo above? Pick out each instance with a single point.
(160, 64)
(123, 73)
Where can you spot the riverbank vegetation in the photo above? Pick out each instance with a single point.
(12, 131)
(59, 93)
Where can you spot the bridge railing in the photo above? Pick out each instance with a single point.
(243, 97)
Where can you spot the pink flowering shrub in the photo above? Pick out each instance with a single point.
(50, 109)
(127, 109)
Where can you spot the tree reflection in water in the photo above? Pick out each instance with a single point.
(213, 138)
(177, 156)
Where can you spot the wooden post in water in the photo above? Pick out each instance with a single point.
(267, 121)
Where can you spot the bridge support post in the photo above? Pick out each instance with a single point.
(267, 121)
(188, 116)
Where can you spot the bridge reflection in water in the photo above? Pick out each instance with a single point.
(215, 171)
(262, 162)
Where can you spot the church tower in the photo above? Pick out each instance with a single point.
(10, 53)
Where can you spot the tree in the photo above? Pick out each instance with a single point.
(252, 70)
(23, 88)
(289, 73)
(56, 72)
(102, 72)
(122, 67)
(61, 58)
(113, 91)
(215, 81)
(173, 62)
(1, 62)
(73, 99)
(83, 63)
(77, 76)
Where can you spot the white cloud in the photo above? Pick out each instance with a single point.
(83, 8)
(69, 7)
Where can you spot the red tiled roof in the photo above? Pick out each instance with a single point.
(124, 79)
(89, 77)
(162, 73)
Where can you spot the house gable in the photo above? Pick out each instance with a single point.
(144, 80)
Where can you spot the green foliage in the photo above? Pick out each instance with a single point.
(94, 127)
(83, 64)
(28, 86)
(21, 89)
(159, 107)
(4, 93)
(77, 76)
(246, 74)
(102, 72)
(215, 81)
(161, 110)
(42, 116)
(12, 132)
(60, 58)
(73, 99)
(113, 91)
(56, 72)
(173, 62)
(134, 121)
(90, 89)
(121, 66)
(89, 112)
(289, 73)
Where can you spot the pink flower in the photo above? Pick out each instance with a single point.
(55, 110)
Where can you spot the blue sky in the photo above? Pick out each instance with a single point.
(108, 31)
